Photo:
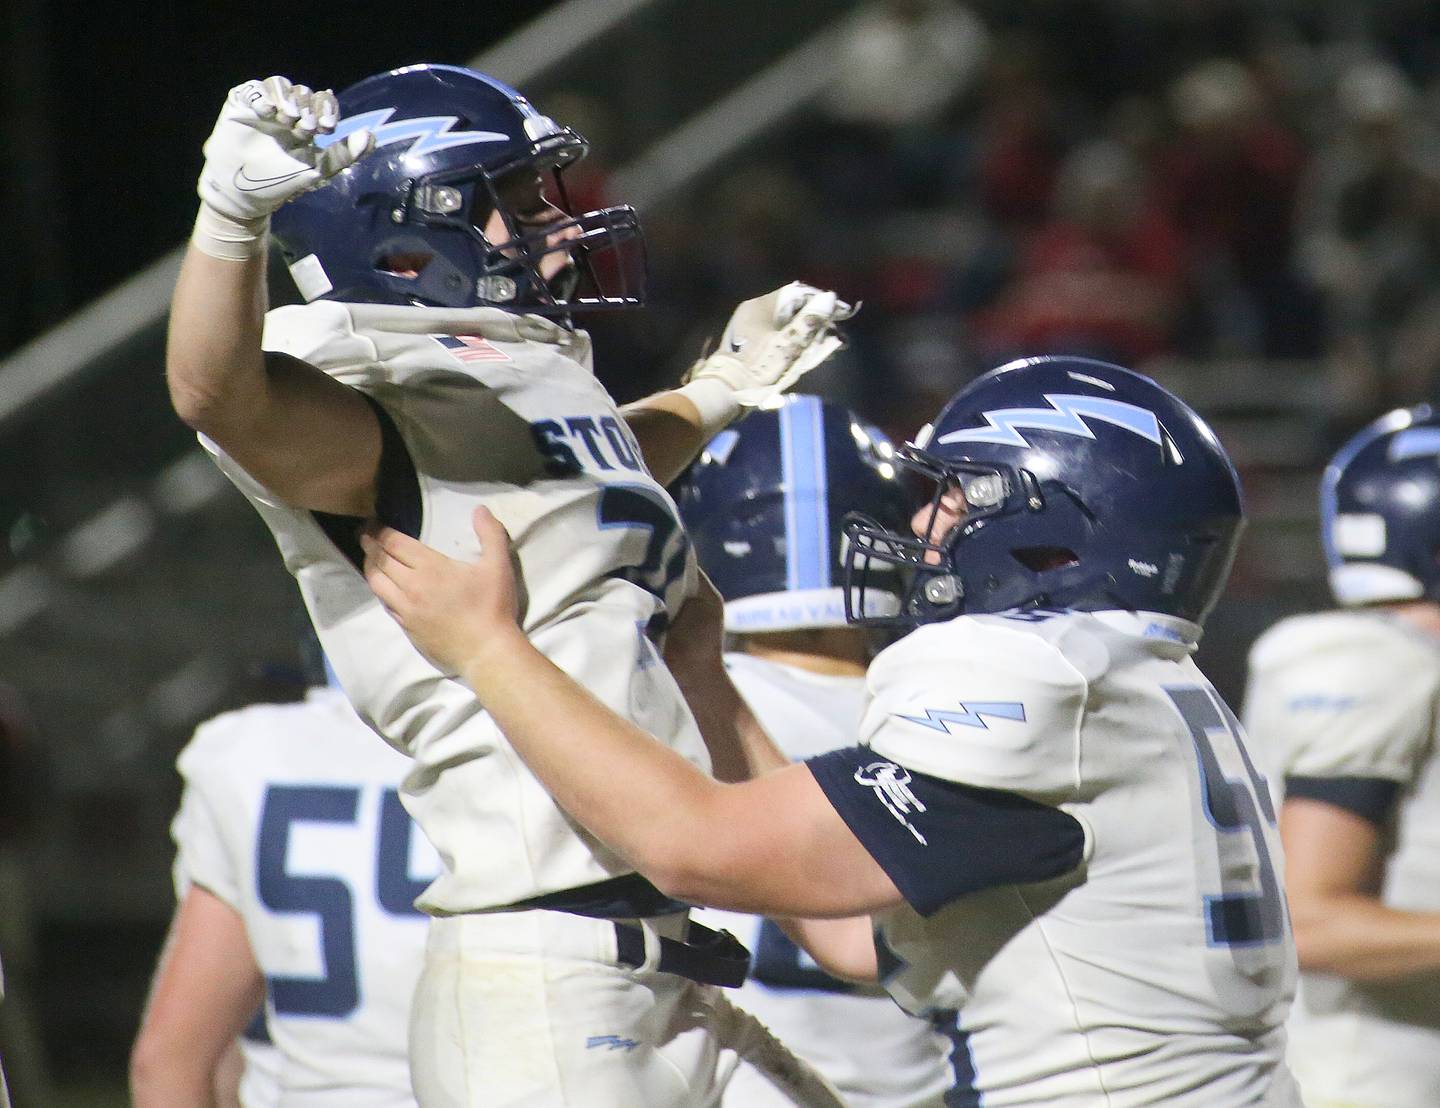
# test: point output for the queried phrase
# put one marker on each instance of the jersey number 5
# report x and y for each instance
(1239, 915)
(336, 991)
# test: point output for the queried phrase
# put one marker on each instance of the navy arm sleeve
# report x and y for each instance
(1370, 798)
(939, 840)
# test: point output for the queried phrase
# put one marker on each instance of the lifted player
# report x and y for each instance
(434, 369)
(1052, 815)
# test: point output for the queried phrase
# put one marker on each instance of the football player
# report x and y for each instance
(764, 504)
(1051, 814)
(1345, 705)
(436, 367)
(295, 873)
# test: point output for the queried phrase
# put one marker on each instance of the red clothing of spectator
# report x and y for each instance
(1233, 193)
(1081, 288)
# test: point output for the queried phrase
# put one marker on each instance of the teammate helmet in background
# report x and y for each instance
(1087, 486)
(1380, 510)
(403, 225)
(764, 503)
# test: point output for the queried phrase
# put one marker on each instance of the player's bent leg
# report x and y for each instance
(531, 1009)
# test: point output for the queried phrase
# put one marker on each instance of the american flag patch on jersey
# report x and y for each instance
(471, 348)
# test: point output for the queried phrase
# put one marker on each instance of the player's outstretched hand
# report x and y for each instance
(454, 612)
(269, 144)
(774, 340)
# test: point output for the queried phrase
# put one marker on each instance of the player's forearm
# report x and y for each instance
(670, 432)
(843, 948)
(166, 1085)
(1358, 937)
(641, 798)
(213, 360)
(739, 746)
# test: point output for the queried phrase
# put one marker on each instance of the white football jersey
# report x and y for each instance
(291, 815)
(875, 1054)
(1346, 695)
(501, 410)
(1157, 971)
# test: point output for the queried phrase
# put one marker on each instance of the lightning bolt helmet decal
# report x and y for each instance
(1065, 416)
(1058, 482)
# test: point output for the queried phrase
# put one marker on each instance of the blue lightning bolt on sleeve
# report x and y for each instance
(983, 702)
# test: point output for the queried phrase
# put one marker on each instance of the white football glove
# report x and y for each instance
(769, 344)
(262, 153)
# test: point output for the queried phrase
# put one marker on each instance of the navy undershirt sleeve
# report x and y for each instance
(1370, 798)
(940, 840)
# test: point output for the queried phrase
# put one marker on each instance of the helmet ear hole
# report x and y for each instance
(1037, 559)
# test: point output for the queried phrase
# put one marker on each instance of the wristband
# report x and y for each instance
(231, 240)
(714, 400)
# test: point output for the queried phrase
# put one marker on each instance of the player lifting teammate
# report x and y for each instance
(1068, 853)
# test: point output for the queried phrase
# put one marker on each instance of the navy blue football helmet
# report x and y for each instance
(1086, 486)
(764, 505)
(403, 225)
(1380, 510)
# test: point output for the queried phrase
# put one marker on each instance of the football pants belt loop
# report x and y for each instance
(707, 956)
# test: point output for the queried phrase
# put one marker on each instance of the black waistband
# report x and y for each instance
(628, 897)
(707, 956)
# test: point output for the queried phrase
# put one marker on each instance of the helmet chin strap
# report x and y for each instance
(562, 286)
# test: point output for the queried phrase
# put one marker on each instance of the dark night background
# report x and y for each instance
(105, 106)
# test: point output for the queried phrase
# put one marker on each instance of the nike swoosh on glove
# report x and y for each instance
(774, 340)
(262, 151)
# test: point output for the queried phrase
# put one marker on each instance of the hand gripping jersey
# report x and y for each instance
(1088, 857)
(1347, 705)
(291, 815)
(876, 1055)
(503, 410)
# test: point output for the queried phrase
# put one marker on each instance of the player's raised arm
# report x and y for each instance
(290, 426)
(773, 845)
(770, 342)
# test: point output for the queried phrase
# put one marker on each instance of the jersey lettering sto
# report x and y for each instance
(1158, 971)
(1353, 698)
(291, 815)
(505, 411)
(876, 1055)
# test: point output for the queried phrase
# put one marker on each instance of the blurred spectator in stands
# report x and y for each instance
(899, 69)
(1368, 239)
(1408, 296)
(899, 63)
(1018, 134)
(1229, 181)
(1102, 277)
